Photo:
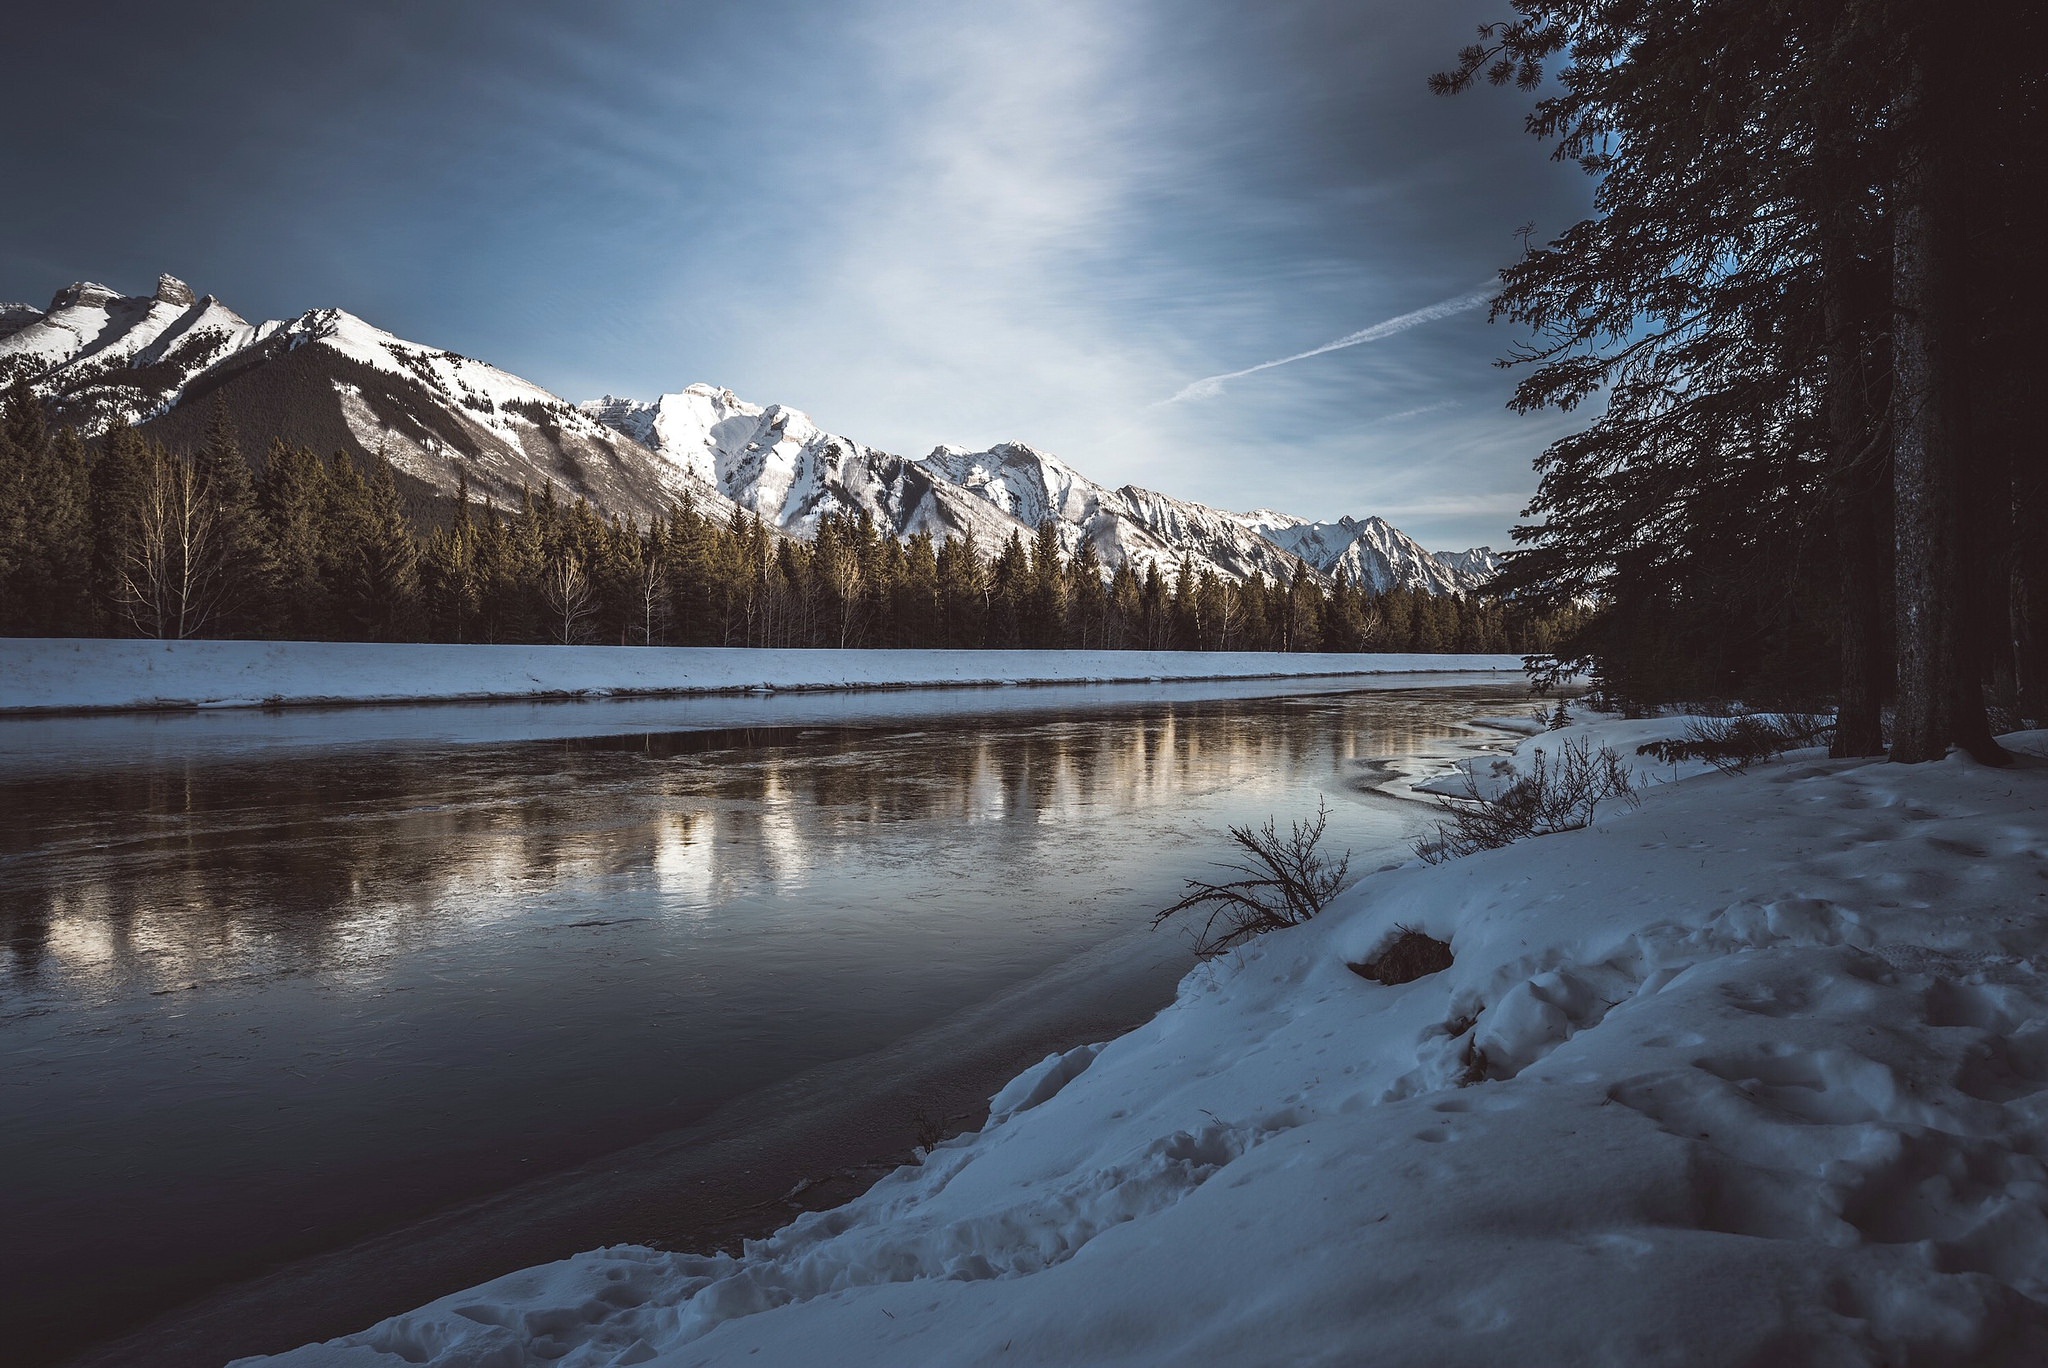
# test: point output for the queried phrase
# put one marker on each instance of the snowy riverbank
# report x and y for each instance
(1754, 1072)
(68, 674)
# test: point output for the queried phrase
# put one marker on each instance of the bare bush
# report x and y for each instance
(1556, 794)
(1286, 881)
(1733, 744)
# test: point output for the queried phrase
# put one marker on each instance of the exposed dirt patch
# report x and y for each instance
(1409, 956)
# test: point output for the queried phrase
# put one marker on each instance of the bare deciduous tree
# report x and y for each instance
(172, 576)
(651, 586)
(570, 599)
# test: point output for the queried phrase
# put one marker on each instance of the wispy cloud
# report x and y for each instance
(1438, 407)
(1209, 386)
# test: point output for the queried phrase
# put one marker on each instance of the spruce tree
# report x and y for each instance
(244, 544)
(293, 498)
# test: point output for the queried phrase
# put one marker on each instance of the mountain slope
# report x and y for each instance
(327, 380)
(1482, 563)
(776, 462)
(1371, 552)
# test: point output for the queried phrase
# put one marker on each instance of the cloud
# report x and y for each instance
(1209, 386)
(1438, 407)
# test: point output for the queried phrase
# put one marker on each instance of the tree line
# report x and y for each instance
(126, 537)
(1809, 303)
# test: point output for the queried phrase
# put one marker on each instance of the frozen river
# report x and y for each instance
(306, 1018)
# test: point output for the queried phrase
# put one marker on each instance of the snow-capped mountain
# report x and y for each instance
(1482, 563)
(776, 462)
(1375, 553)
(115, 358)
(327, 380)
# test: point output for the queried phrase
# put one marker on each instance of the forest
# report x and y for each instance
(123, 536)
(1807, 307)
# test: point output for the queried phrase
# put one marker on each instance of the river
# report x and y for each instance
(308, 1018)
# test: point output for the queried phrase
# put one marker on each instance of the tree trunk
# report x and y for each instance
(1860, 565)
(1859, 466)
(1924, 457)
(2030, 588)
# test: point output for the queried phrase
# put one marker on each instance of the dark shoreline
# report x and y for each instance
(810, 1142)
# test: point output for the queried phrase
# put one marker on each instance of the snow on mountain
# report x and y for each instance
(434, 414)
(15, 317)
(1371, 552)
(772, 461)
(777, 462)
(328, 380)
(111, 358)
(1128, 525)
(1480, 562)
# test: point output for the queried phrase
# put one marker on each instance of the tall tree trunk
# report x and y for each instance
(1924, 456)
(1861, 566)
(2030, 587)
(1859, 467)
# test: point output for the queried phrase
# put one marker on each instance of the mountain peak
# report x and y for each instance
(174, 292)
(83, 294)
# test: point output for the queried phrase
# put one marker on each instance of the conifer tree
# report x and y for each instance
(292, 496)
(117, 481)
(1088, 599)
(244, 547)
(46, 549)
(1008, 581)
(1775, 299)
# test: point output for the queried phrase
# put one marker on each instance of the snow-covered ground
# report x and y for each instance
(72, 674)
(1753, 1073)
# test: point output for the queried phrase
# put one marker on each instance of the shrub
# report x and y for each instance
(1733, 744)
(1557, 794)
(1286, 881)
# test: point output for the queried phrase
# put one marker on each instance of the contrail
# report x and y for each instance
(1211, 385)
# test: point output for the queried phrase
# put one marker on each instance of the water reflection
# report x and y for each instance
(146, 877)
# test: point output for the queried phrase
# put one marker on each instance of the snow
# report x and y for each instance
(92, 338)
(75, 674)
(777, 462)
(15, 317)
(75, 319)
(1372, 552)
(1756, 1072)
(1482, 563)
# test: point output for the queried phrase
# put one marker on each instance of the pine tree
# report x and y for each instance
(1154, 616)
(451, 591)
(1088, 599)
(46, 548)
(1009, 582)
(293, 498)
(1783, 190)
(244, 550)
(1042, 611)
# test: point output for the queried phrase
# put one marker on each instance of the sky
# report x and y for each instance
(1082, 224)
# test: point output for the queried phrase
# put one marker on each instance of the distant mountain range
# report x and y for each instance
(328, 380)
